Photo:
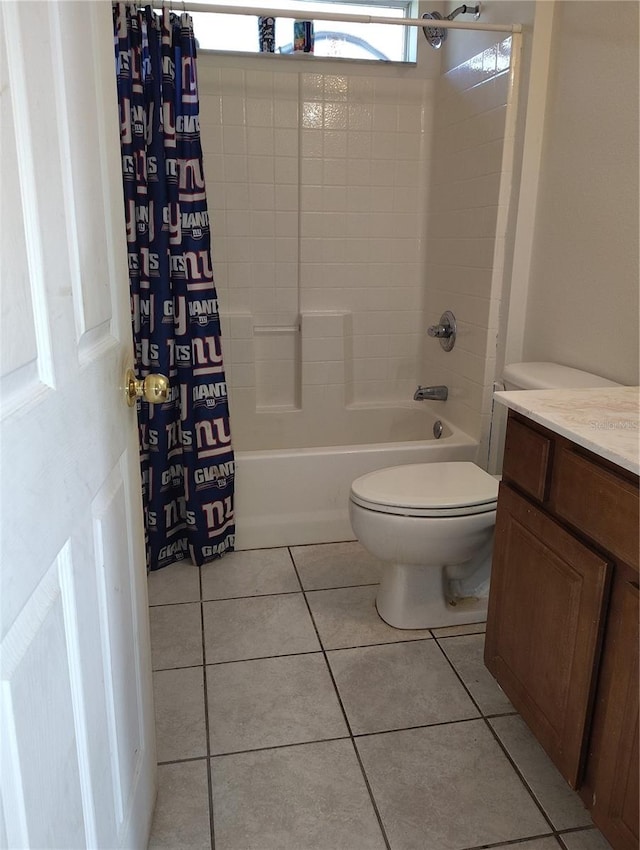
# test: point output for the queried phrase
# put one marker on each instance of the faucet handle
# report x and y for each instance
(445, 331)
(440, 331)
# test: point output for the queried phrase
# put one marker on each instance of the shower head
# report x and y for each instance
(436, 36)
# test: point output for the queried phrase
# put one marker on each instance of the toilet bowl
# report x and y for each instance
(432, 524)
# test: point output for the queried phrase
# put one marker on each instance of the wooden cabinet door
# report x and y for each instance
(544, 626)
(612, 771)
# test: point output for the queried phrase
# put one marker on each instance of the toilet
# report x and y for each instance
(432, 524)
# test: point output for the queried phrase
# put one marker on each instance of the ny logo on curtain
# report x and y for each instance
(185, 444)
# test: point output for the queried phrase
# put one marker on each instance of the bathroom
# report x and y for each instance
(280, 725)
(325, 343)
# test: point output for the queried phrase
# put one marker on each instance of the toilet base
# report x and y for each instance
(416, 597)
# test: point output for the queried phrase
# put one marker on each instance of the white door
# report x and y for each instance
(77, 751)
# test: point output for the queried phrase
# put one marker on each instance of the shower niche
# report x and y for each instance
(277, 367)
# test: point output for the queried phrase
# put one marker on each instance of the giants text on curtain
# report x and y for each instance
(185, 444)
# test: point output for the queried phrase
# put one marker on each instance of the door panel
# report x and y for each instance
(77, 752)
(39, 733)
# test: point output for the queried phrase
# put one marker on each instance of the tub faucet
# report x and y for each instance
(431, 394)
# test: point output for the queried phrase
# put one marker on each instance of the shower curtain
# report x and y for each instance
(185, 444)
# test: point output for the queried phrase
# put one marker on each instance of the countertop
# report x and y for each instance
(606, 421)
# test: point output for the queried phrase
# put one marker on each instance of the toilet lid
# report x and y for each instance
(427, 489)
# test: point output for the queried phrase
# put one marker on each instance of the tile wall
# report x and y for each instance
(317, 187)
(465, 226)
(348, 212)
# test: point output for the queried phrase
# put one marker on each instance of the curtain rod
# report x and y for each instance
(328, 16)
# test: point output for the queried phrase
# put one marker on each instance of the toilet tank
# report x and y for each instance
(550, 376)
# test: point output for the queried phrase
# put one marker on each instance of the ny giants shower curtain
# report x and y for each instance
(185, 444)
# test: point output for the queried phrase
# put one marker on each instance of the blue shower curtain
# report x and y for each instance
(185, 444)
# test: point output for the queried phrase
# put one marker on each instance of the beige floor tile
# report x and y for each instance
(181, 817)
(258, 627)
(590, 839)
(176, 635)
(251, 573)
(271, 702)
(549, 843)
(309, 797)
(466, 653)
(335, 565)
(348, 618)
(179, 705)
(563, 806)
(177, 583)
(398, 685)
(447, 787)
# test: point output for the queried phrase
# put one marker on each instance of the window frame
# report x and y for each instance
(405, 8)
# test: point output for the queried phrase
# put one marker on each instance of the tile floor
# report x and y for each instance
(291, 717)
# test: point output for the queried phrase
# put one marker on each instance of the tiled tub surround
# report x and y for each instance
(472, 152)
(328, 269)
(290, 717)
(316, 192)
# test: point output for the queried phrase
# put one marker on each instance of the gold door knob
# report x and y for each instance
(153, 388)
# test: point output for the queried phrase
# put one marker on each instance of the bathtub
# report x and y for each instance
(287, 497)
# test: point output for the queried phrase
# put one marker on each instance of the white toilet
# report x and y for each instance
(432, 524)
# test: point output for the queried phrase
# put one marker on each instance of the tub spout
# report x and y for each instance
(439, 393)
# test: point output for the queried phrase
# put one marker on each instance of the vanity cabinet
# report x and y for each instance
(562, 625)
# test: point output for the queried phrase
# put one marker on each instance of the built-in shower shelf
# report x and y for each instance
(265, 330)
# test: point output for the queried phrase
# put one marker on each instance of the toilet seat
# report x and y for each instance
(456, 488)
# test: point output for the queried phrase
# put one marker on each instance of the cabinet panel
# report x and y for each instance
(612, 770)
(610, 512)
(544, 626)
(527, 456)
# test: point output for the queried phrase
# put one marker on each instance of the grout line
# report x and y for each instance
(278, 747)
(206, 718)
(340, 587)
(497, 714)
(279, 593)
(512, 842)
(571, 829)
(174, 604)
(179, 667)
(418, 726)
(182, 761)
(499, 742)
(254, 596)
(384, 643)
(308, 652)
(520, 774)
(344, 714)
(462, 634)
(264, 657)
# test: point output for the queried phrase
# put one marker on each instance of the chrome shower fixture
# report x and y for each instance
(445, 331)
(437, 35)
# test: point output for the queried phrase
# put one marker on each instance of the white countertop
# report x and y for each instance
(605, 420)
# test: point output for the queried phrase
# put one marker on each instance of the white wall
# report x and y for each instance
(582, 307)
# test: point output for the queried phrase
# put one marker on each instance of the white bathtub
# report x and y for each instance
(287, 497)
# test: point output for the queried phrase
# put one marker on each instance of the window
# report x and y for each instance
(378, 42)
